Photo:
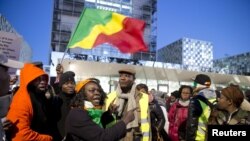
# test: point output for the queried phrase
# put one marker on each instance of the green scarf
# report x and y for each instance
(95, 115)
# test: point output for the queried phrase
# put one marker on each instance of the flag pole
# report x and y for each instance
(66, 50)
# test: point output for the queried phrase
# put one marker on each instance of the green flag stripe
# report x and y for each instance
(88, 19)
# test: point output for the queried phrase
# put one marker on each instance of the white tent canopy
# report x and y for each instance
(92, 69)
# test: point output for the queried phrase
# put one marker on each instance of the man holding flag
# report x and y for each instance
(96, 27)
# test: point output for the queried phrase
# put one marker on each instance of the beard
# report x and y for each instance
(126, 89)
(36, 90)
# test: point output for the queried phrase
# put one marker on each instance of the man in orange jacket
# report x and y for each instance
(30, 111)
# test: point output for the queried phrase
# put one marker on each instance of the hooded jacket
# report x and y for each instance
(21, 110)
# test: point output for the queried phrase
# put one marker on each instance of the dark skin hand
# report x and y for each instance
(59, 69)
(129, 116)
(7, 125)
(113, 107)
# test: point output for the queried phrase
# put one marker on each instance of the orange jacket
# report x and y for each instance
(21, 111)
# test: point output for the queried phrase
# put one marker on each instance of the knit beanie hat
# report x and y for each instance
(67, 76)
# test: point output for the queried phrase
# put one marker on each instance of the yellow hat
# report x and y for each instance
(80, 84)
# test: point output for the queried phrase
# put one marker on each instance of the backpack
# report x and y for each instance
(214, 111)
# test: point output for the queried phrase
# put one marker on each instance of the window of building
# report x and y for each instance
(90, 5)
(126, 1)
(146, 8)
(125, 11)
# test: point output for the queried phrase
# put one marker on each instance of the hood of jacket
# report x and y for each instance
(28, 73)
(207, 93)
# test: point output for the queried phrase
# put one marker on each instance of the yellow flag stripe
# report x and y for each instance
(113, 26)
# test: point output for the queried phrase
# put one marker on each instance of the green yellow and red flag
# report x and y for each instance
(97, 26)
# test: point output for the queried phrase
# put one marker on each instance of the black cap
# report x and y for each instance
(203, 79)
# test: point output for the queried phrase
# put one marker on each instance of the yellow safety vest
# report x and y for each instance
(145, 128)
(203, 120)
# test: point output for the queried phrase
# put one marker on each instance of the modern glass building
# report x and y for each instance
(237, 64)
(190, 53)
(66, 14)
(5, 25)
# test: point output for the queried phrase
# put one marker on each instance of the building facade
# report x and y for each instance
(158, 75)
(67, 12)
(190, 53)
(237, 64)
(21, 50)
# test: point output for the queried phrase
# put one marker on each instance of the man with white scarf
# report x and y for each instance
(125, 97)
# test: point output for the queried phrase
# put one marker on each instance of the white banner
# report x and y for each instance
(10, 45)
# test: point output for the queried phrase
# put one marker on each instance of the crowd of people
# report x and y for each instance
(66, 110)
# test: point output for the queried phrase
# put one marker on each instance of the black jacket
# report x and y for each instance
(194, 112)
(61, 108)
(156, 115)
(157, 120)
(80, 127)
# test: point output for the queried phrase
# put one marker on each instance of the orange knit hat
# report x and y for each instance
(80, 84)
